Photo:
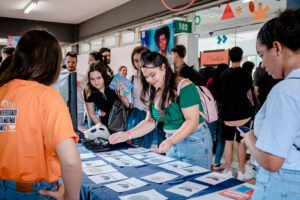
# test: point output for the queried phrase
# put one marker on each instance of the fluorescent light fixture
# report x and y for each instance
(30, 6)
(247, 1)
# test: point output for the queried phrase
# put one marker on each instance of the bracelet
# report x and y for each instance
(129, 135)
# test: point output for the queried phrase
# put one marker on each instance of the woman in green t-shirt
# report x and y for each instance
(188, 137)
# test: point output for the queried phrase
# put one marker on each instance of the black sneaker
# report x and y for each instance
(217, 167)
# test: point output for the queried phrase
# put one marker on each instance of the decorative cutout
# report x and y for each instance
(239, 10)
(260, 13)
(197, 20)
(228, 13)
(177, 9)
(251, 6)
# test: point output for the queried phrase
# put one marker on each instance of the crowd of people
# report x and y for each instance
(164, 109)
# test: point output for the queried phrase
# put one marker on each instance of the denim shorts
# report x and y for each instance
(195, 149)
(8, 190)
(281, 185)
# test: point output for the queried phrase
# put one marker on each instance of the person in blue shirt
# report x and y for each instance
(274, 143)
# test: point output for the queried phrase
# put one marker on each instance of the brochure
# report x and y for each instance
(159, 160)
(84, 156)
(99, 170)
(122, 83)
(213, 178)
(126, 185)
(190, 170)
(187, 188)
(173, 166)
(93, 163)
(240, 192)
(105, 178)
(160, 177)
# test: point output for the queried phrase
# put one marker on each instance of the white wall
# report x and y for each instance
(122, 56)
(119, 56)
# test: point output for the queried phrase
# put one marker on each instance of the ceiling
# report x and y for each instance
(61, 11)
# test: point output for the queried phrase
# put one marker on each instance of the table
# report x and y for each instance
(90, 190)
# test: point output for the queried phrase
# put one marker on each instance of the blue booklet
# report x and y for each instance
(122, 83)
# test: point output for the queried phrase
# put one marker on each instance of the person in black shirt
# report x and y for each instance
(263, 84)
(97, 92)
(236, 108)
(180, 67)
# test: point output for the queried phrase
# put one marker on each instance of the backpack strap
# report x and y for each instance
(180, 84)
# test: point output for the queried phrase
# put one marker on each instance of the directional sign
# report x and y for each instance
(222, 38)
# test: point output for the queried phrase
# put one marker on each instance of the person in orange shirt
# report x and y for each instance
(37, 140)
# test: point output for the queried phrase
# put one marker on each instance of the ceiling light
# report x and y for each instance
(247, 1)
(30, 6)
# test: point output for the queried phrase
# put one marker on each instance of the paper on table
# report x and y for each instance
(145, 195)
(93, 163)
(160, 177)
(99, 170)
(145, 155)
(174, 165)
(190, 170)
(136, 150)
(129, 163)
(213, 178)
(105, 178)
(118, 158)
(126, 185)
(187, 188)
(159, 160)
(87, 156)
(110, 153)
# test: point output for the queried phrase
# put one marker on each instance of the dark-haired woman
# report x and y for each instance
(188, 137)
(275, 141)
(97, 92)
(37, 140)
(138, 109)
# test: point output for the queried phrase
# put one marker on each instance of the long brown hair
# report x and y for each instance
(168, 94)
(37, 58)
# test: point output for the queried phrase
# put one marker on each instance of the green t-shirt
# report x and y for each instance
(173, 116)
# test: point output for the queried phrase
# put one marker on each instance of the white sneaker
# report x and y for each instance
(228, 173)
(243, 176)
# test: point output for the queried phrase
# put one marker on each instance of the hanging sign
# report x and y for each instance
(182, 26)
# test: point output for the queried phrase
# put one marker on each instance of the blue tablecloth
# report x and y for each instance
(90, 190)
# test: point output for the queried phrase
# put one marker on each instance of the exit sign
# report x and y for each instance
(182, 26)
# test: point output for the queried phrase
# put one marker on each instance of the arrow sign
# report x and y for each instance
(222, 39)
(219, 39)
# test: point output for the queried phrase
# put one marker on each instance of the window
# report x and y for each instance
(84, 47)
(109, 41)
(127, 37)
(96, 44)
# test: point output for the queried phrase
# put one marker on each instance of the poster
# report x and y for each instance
(159, 39)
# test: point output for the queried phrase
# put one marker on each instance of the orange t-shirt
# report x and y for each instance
(34, 119)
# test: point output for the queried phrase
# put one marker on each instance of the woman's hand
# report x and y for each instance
(118, 137)
(58, 195)
(164, 147)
